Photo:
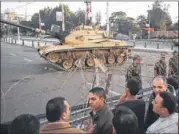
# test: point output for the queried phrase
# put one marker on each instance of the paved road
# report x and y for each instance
(32, 82)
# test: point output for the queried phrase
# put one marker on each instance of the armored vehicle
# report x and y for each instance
(81, 46)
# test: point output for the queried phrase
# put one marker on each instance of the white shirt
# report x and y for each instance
(164, 125)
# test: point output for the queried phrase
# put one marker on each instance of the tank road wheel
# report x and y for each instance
(102, 60)
(120, 59)
(67, 64)
(90, 62)
(53, 57)
(111, 59)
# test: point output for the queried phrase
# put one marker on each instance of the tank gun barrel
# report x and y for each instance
(36, 30)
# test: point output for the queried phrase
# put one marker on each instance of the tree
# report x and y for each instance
(35, 20)
(48, 16)
(118, 15)
(122, 23)
(159, 17)
(141, 20)
(174, 27)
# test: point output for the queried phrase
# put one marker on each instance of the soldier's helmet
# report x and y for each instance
(136, 57)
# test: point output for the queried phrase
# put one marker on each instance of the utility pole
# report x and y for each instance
(107, 16)
(18, 31)
(88, 18)
(63, 19)
(26, 14)
(149, 25)
(39, 23)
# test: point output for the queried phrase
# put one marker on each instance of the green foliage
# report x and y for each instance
(124, 23)
(159, 17)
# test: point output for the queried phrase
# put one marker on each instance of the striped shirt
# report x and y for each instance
(164, 125)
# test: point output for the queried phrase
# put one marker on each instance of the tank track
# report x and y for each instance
(61, 68)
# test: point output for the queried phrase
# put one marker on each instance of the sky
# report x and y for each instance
(133, 9)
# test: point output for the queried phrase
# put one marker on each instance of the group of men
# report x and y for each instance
(160, 68)
(128, 117)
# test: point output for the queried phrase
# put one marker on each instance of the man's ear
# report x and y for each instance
(164, 110)
(63, 117)
(127, 90)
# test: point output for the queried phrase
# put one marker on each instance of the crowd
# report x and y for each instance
(130, 116)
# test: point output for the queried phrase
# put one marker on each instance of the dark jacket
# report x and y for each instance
(102, 121)
(151, 117)
(138, 107)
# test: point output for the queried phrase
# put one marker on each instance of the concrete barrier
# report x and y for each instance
(35, 44)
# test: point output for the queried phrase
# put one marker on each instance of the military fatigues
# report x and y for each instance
(173, 66)
(173, 63)
(134, 71)
(160, 68)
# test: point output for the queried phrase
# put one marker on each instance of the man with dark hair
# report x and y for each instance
(25, 124)
(173, 82)
(125, 121)
(129, 100)
(132, 88)
(100, 114)
(164, 105)
(58, 113)
(159, 84)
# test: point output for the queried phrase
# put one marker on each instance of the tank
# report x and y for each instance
(81, 46)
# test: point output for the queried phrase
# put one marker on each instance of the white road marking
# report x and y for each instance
(12, 54)
(28, 60)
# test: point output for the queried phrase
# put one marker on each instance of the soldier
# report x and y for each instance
(134, 70)
(160, 66)
(173, 65)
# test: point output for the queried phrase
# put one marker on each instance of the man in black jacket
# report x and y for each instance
(101, 115)
(129, 100)
(159, 84)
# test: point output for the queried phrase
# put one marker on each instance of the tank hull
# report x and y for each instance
(65, 57)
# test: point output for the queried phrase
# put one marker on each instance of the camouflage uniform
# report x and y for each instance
(160, 66)
(173, 63)
(134, 71)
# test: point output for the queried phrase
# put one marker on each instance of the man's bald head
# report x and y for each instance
(159, 84)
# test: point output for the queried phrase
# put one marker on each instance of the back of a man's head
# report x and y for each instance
(169, 101)
(173, 82)
(98, 91)
(25, 124)
(133, 86)
(55, 108)
(125, 121)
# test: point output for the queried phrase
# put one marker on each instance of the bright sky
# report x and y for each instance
(133, 9)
